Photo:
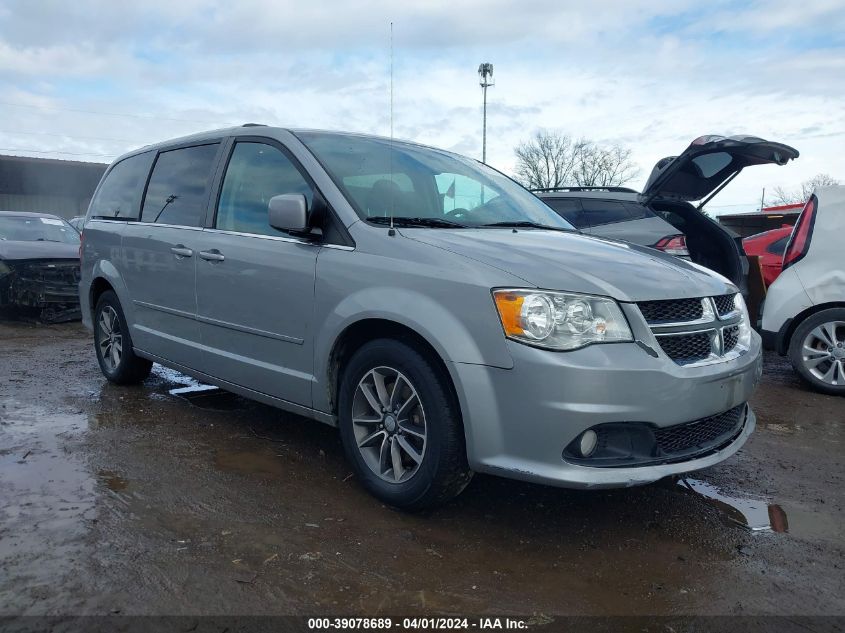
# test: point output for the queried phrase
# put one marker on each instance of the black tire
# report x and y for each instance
(443, 471)
(130, 369)
(796, 355)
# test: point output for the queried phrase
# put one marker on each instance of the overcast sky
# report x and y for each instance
(93, 79)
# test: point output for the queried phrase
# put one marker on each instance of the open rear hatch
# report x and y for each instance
(698, 174)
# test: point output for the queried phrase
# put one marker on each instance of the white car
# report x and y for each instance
(804, 313)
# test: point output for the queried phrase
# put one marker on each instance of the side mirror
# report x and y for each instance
(288, 212)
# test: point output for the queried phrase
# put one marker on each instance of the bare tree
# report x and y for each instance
(605, 166)
(552, 159)
(549, 159)
(792, 196)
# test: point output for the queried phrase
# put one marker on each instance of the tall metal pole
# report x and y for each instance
(485, 80)
(484, 128)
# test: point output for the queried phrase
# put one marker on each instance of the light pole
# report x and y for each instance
(485, 79)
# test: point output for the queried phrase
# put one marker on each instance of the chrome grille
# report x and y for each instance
(694, 331)
(687, 348)
(671, 311)
(700, 434)
(725, 304)
(731, 337)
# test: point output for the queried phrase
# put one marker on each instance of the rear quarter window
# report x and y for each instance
(119, 195)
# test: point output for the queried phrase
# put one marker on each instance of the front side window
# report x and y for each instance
(256, 172)
(178, 188)
(119, 196)
(437, 187)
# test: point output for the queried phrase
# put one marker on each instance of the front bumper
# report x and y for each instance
(519, 421)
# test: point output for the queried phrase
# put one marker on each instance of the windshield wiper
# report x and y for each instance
(434, 223)
(524, 224)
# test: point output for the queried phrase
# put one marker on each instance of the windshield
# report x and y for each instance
(19, 228)
(423, 186)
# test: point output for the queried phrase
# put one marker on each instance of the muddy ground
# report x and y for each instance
(164, 500)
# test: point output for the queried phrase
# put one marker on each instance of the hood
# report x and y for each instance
(11, 250)
(556, 260)
(708, 164)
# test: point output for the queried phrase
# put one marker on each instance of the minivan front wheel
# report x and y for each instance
(388, 420)
(817, 351)
(113, 343)
(400, 426)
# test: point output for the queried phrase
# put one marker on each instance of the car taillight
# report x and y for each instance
(81, 242)
(674, 245)
(802, 234)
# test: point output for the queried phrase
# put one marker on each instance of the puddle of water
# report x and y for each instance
(171, 377)
(261, 463)
(192, 389)
(197, 393)
(48, 498)
(212, 398)
(757, 515)
(113, 481)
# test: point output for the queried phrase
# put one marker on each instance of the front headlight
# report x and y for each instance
(560, 320)
(745, 324)
(4, 268)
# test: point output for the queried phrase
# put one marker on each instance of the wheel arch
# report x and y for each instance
(357, 334)
(105, 276)
(798, 319)
(99, 285)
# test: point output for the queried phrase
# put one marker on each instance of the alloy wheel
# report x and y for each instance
(389, 424)
(823, 353)
(110, 338)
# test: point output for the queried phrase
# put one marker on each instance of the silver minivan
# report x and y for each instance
(440, 315)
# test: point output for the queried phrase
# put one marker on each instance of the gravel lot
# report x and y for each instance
(164, 500)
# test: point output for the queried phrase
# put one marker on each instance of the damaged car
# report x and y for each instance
(39, 266)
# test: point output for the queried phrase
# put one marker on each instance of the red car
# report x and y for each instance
(769, 247)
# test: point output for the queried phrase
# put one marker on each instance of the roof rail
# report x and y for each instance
(613, 189)
(254, 125)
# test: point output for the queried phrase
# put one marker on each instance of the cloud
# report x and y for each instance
(648, 76)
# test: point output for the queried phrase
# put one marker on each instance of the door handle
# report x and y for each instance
(212, 256)
(180, 250)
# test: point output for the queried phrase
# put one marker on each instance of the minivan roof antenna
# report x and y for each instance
(390, 147)
(391, 81)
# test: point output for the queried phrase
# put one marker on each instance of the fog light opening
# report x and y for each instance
(588, 443)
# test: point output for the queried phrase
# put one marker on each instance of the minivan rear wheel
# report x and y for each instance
(401, 427)
(817, 351)
(113, 344)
